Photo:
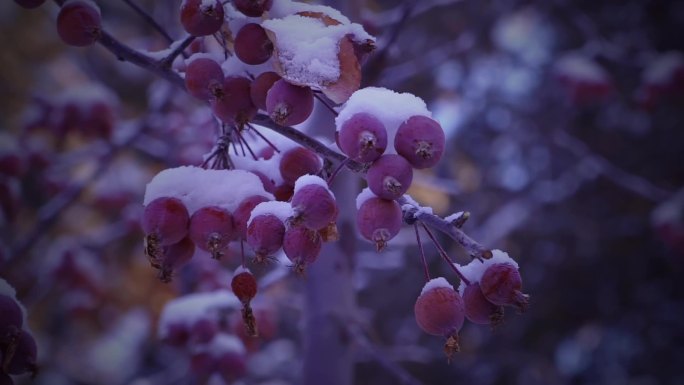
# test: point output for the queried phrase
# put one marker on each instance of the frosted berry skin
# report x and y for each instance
(501, 284)
(244, 286)
(297, 162)
(175, 256)
(234, 106)
(260, 87)
(314, 206)
(301, 246)
(204, 79)
(166, 219)
(440, 312)
(242, 213)
(79, 23)
(29, 4)
(390, 176)
(25, 355)
(12, 318)
(252, 45)
(265, 235)
(211, 229)
(379, 220)
(362, 137)
(288, 104)
(253, 8)
(199, 19)
(478, 309)
(421, 141)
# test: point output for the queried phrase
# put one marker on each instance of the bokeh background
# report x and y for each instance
(565, 143)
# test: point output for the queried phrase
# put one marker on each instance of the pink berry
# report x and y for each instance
(421, 141)
(288, 104)
(253, 8)
(390, 176)
(79, 23)
(203, 330)
(201, 17)
(211, 228)
(177, 334)
(166, 219)
(297, 162)
(204, 79)
(234, 106)
(478, 309)
(244, 286)
(362, 137)
(379, 220)
(265, 235)
(314, 206)
(301, 246)
(175, 256)
(252, 45)
(501, 284)
(260, 87)
(243, 212)
(440, 311)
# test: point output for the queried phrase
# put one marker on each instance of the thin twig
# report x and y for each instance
(180, 49)
(325, 103)
(148, 18)
(444, 255)
(422, 252)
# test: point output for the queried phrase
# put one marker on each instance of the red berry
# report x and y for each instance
(421, 141)
(379, 220)
(242, 213)
(439, 311)
(166, 219)
(265, 235)
(314, 206)
(201, 17)
(234, 106)
(478, 309)
(252, 45)
(260, 87)
(79, 23)
(362, 137)
(204, 79)
(211, 228)
(301, 246)
(390, 176)
(12, 317)
(288, 104)
(501, 284)
(297, 162)
(175, 256)
(244, 286)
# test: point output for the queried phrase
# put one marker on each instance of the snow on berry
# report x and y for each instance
(191, 308)
(363, 196)
(281, 210)
(474, 270)
(435, 283)
(390, 107)
(309, 179)
(197, 187)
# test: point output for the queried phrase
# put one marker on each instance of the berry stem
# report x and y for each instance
(179, 50)
(337, 170)
(325, 103)
(444, 255)
(422, 253)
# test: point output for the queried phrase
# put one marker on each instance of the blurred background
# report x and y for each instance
(565, 144)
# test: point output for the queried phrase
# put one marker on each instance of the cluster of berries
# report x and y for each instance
(486, 287)
(206, 326)
(178, 217)
(18, 352)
